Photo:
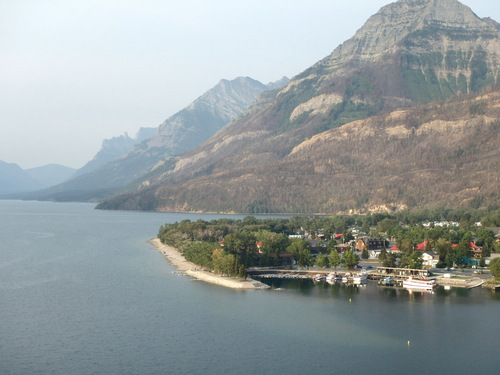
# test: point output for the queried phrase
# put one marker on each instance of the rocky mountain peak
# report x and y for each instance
(207, 114)
(392, 23)
(410, 54)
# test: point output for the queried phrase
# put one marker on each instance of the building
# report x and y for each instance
(430, 259)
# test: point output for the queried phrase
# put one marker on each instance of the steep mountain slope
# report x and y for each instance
(441, 154)
(113, 148)
(410, 52)
(181, 132)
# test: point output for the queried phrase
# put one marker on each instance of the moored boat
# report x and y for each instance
(346, 277)
(388, 281)
(318, 277)
(332, 277)
(360, 278)
(412, 283)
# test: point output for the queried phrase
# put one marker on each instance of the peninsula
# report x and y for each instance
(178, 261)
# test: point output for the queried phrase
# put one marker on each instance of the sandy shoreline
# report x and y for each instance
(193, 270)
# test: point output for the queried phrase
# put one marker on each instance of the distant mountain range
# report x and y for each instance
(14, 179)
(122, 160)
(389, 120)
(113, 148)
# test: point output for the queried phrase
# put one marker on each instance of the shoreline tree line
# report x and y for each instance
(230, 246)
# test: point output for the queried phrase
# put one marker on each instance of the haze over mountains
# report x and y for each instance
(403, 115)
(114, 148)
(410, 53)
(14, 179)
(122, 160)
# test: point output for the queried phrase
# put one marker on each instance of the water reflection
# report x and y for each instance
(338, 290)
(320, 288)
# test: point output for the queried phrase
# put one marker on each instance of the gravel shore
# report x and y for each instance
(193, 270)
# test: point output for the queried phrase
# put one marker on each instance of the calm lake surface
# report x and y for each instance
(82, 292)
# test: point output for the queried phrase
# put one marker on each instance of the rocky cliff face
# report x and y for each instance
(410, 52)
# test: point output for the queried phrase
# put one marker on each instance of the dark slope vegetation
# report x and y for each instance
(410, 53)
(441, 154)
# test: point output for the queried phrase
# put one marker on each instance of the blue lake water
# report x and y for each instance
(82, 292)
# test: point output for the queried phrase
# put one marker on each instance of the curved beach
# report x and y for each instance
(193, 270)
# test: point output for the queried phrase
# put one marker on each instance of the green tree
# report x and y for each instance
(443, 247)
(296, 246)
(335, 259)
(496, 247)
(416, 260)
(386, 224)
(305, 259)
(495, 267)
(199, 253)
(271, 245)
(350, 259)
(330, 246)
(242, 245)
(453, 257)
(383, 255)
(412, 259)
(322, 261)
(364, 254)
(389, 260)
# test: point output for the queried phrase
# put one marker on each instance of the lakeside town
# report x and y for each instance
(346, 250)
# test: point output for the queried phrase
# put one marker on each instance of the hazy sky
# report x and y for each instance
(74, 72)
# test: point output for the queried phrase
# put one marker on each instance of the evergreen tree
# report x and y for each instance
(383, 254)
(305, 259)
(349, 259)
(495, 267)
(335, 259)
(389, 260)
(322, 261)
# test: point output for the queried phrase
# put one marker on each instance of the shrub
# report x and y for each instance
(495, 267)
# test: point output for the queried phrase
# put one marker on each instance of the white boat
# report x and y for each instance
(331, 277)
(360, 278)
(318, 277)
(412, 283)
(347, 276)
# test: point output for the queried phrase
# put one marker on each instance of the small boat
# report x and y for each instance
(419, 284)
(331, 277)
(346, 277)
(360, 278)
(388, 281)
(318, 277)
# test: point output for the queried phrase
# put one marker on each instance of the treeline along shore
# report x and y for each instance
(221, 251)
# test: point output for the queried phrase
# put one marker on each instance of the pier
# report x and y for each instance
(384, 276)
(397, 273)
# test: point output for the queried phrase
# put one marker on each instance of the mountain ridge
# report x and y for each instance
(423, 55)
(113, 148)
(179, 133)
(322, 175)
(14, 179)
